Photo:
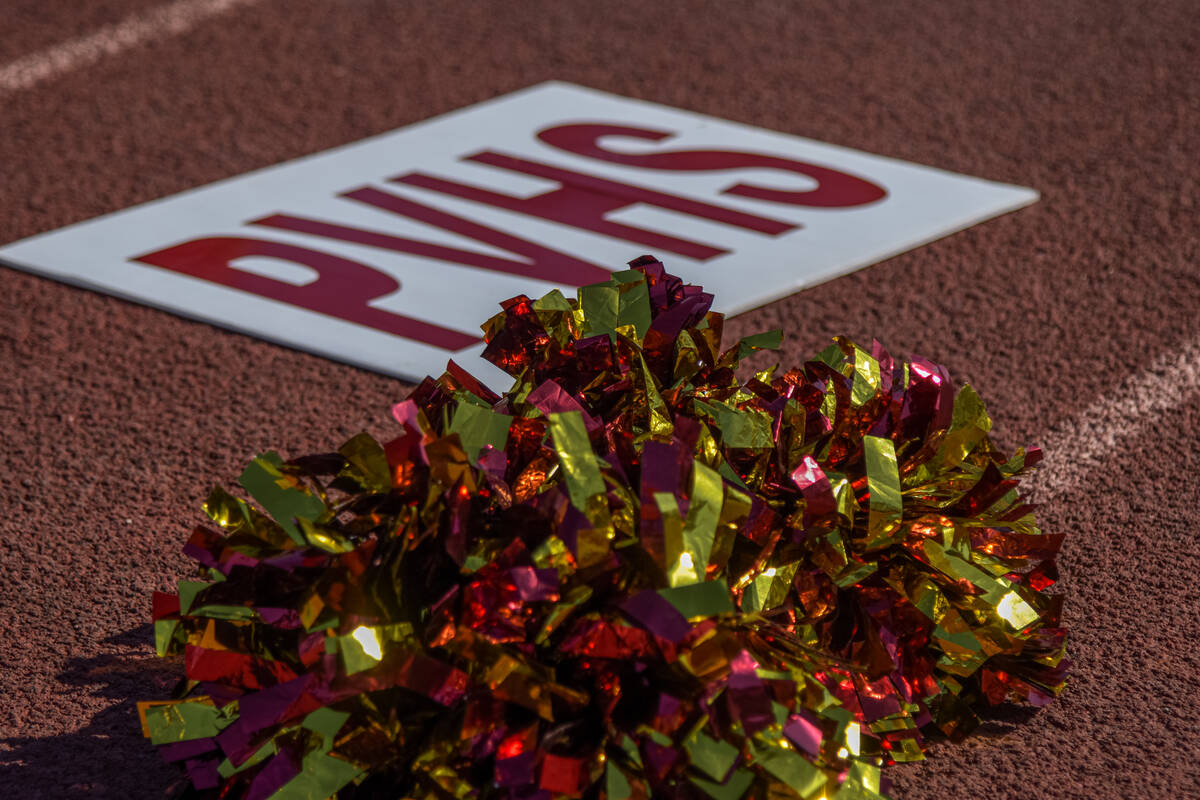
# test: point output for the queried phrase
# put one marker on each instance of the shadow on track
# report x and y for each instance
(107, 757)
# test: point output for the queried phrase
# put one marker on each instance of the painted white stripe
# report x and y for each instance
(168, 20)
(1123, 414)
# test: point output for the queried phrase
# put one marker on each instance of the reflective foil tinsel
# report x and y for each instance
(633, 575)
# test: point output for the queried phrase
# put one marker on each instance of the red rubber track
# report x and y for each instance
(116, 419)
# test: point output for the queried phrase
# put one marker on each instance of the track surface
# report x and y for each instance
(1076, 319)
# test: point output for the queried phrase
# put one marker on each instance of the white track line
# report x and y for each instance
(168, 20)
(1096, 436)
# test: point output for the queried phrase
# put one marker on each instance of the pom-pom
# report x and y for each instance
(633, 575)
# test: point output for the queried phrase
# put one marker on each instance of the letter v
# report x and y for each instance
(543, 263)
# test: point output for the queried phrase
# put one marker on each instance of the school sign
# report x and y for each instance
(388, 253)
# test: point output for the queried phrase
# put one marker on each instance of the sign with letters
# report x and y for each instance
(388, 253)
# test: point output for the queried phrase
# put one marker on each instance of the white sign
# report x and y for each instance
(389, 253)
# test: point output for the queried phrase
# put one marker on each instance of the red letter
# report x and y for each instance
(584, 200)
(835, 189)
(544, 264)
(342, 289)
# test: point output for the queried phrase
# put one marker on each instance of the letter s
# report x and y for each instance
(834, 190)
